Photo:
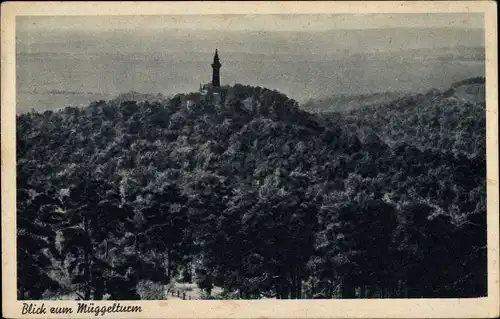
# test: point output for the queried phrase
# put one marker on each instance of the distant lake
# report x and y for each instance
(53, 80)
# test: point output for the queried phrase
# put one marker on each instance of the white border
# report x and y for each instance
(388, 308)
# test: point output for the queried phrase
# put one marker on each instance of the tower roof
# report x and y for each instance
(216, 58)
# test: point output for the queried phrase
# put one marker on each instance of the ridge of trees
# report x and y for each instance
(252, 195)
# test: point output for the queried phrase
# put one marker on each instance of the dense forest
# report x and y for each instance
(253, 197)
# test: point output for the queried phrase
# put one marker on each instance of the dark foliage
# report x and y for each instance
(255, 196)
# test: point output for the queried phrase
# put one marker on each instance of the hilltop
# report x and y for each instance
(253, 196)
(453, 120)
(78, 66)
(470, 90)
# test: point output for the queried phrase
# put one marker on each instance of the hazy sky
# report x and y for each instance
(256, 22)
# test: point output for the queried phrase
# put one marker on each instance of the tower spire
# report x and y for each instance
(216, 70)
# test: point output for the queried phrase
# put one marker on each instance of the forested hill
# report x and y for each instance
(253, 196)
(453, 120)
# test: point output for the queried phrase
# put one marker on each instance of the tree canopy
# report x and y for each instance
(253, 195)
